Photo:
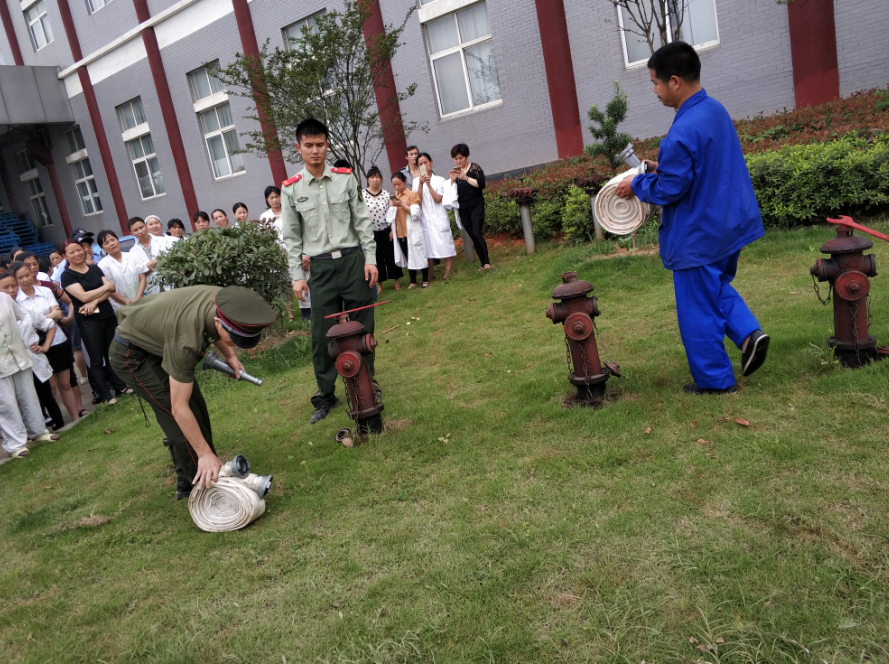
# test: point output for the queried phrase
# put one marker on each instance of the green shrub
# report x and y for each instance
(546, 218)
(244, 255)
(802, 184)
(605, 125)
(502, 216)
(577, 218)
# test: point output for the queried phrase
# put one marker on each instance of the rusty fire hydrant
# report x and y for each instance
(577, 311)
(348, 344)
(847, 270)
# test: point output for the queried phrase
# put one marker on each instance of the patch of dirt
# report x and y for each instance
(92, 521)
(611, 396)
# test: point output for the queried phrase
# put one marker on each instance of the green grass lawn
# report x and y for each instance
(489, 523)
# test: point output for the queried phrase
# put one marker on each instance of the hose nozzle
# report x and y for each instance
(238, 467)
(628, 156)
(261, 484)
(213, 361)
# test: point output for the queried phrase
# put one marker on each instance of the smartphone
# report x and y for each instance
(422, 169)
(392, 197)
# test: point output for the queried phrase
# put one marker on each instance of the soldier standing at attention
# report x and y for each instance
(157, 345)
(324, 217)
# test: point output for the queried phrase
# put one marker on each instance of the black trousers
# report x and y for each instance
(48, 401)
(402, 242)
(473, 219)
(143, 372)
(97, 336)
(386, 257)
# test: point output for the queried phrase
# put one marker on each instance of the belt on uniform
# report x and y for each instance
(334, 255)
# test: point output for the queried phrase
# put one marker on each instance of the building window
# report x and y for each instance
(222, 140)
(148, 172)
(699, 28)
(294, 32)
(463, 63)
(38, 25)
(24, 162)
(203, 83)
(86, 187)
(131, 114)
(75, 140)
(95, 5)
(38, 203)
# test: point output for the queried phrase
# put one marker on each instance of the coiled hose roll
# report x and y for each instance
(229, 504)
(620, 216)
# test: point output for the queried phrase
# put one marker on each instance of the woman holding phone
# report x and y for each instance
(377, 200)
(470, 179)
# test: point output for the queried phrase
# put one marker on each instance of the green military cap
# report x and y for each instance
(244, 314)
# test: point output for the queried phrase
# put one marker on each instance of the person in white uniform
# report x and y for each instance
(436, 194)
(20, 416)
(126, 270)
(147, 249)
(273, 216)
(156, 229)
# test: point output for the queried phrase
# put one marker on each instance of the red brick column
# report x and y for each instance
(813, 51)
(10, 34)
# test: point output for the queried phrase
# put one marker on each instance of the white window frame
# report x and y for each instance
(22, 159)
(42, 20)
(206, 72)
(71, 137)
(461, 47)
(92, 191)
(221, 134)
(145, 158)
(129, 105)
(636, 64)
(297, 28)
(39, 197)
(95, 5)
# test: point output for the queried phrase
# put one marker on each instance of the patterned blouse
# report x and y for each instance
(378, 206)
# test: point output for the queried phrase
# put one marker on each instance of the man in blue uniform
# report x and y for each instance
(710, 214)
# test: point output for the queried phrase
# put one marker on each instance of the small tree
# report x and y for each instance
(656, 21)
(612, 142)
(244, 255)
(328, 73)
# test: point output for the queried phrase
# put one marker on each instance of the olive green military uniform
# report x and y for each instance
(326, 219)
(166, 335)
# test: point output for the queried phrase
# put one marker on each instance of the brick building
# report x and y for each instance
(107, 113)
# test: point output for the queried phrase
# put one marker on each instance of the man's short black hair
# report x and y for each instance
(342, 163)
(676, 59)
(411, 147)
(132, 222)
(104, 235)
(311, 127)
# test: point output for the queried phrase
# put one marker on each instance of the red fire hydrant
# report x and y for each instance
(577, 311)
(348, 344)
(847, 270)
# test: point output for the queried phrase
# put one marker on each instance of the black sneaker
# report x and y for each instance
(691, 388)
(755, 355)
(322, 410)
(183, 488)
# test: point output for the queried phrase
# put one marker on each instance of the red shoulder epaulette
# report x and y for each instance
(294, 179)
(344, 171)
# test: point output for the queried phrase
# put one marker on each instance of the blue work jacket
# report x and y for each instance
(710, 210)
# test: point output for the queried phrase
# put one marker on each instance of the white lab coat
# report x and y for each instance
(416, 244)
(436, 225)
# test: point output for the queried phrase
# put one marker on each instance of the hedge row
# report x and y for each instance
(795, 185)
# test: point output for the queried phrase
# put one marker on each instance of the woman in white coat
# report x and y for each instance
(436, 195)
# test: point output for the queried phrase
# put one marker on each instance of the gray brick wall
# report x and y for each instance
(749, 71)
(54, 53)
(96, 29)
(862, 44)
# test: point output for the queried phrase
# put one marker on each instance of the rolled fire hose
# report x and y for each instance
(620, 216)
(232, 503)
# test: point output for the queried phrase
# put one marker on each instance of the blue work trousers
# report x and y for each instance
(709, 309)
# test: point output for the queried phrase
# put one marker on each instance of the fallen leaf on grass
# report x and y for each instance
(701, 441)
(487, 355)
(724, 419)
(704, 647)
(109, 430)
(743, 423)
(712, 456)
(692, 640)
(719, 640)
(92, 449)
(647, 430)
(695, 423)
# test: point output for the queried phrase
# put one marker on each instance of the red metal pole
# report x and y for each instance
(89, 96)
(251, 49)
(60, 198)
(560, 76)
(386, 93)
(813, 52)
(171, 122)
(10, 34)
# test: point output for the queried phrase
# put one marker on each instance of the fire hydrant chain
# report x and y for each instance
(602, 343)
(818, 291)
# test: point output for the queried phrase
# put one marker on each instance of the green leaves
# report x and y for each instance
(611, 142)
(244, 255)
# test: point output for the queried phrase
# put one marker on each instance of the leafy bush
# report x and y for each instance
(244, 255)
(502, 216)
(546, 217)
(577, 218)
(612, 141)
(800, 184)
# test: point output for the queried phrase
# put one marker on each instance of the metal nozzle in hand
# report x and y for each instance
(212, 361)
(628, 156)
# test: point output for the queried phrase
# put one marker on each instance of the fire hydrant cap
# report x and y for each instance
(848, 244)
(572, 289)
(348, 329)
